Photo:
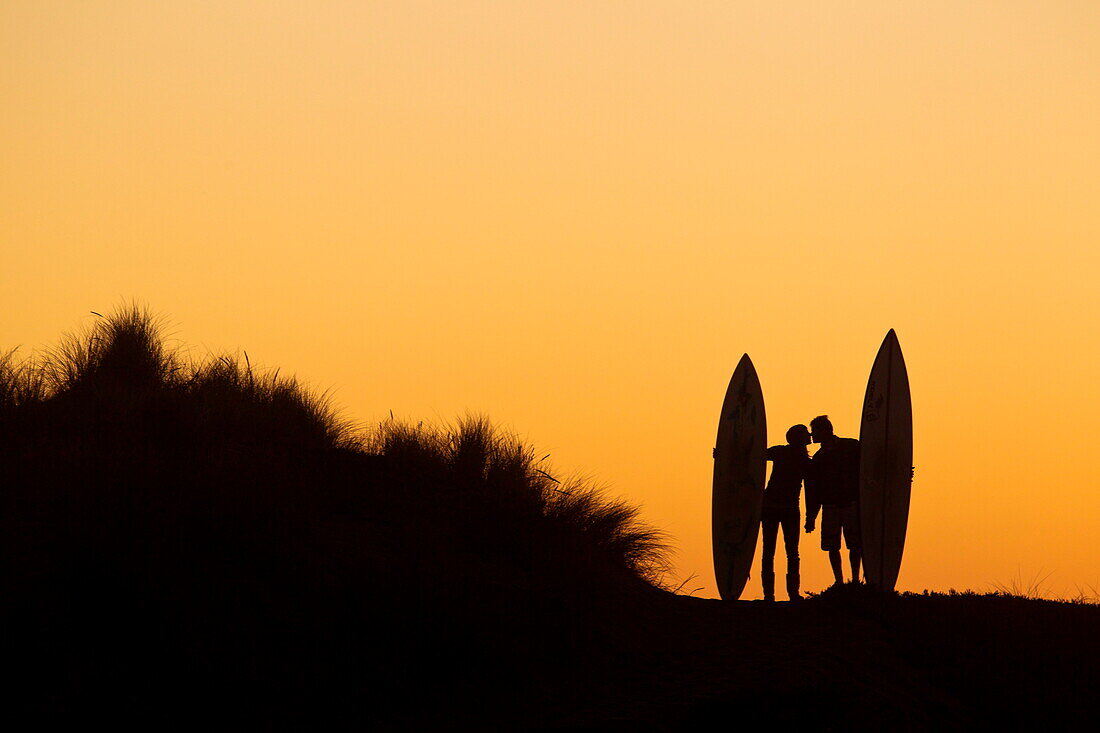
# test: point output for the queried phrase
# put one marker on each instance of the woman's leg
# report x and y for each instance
(791, 522)
(770, 527)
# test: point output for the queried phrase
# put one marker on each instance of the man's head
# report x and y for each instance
(821, 430)
(798, 435)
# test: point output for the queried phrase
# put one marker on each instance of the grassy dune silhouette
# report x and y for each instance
(195, 542)
(182, 537)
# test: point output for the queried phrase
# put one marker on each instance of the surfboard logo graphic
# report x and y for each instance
(873, 403)
(744, 403)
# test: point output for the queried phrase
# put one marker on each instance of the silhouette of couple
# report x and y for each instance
(832, 487)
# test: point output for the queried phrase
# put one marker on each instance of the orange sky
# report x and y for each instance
(574, 217)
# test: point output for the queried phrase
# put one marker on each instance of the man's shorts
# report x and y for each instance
(836, 518)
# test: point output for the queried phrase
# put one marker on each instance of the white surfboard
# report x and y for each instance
(885, 467)
(740, 463)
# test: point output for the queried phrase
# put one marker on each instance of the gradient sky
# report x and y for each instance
(575, 217)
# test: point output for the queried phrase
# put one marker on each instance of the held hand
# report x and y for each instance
(809, 526)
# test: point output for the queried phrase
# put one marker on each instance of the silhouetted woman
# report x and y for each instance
(790, 463)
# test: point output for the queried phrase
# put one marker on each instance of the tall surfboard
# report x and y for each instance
(885, 467)
(740, 462)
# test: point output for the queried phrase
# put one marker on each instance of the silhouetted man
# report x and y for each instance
(832, 485)
(789, 465)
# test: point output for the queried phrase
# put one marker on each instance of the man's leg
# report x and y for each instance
(830, 539)
(853, 539)
(770, 527)
(834, 562)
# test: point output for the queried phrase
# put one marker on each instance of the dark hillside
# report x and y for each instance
(200, 544)
(180, 538)
(852, 659)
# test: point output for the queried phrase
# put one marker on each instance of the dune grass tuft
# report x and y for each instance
(123, 351)
(237, 398)
(1034, 588)
(21, 383)
(121, 363)
(473, 457)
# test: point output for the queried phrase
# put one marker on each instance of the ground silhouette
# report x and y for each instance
(197, 543)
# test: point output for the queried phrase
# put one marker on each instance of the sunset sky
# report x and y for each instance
(574, 217)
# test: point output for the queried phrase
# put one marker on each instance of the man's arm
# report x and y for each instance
(813, 502)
